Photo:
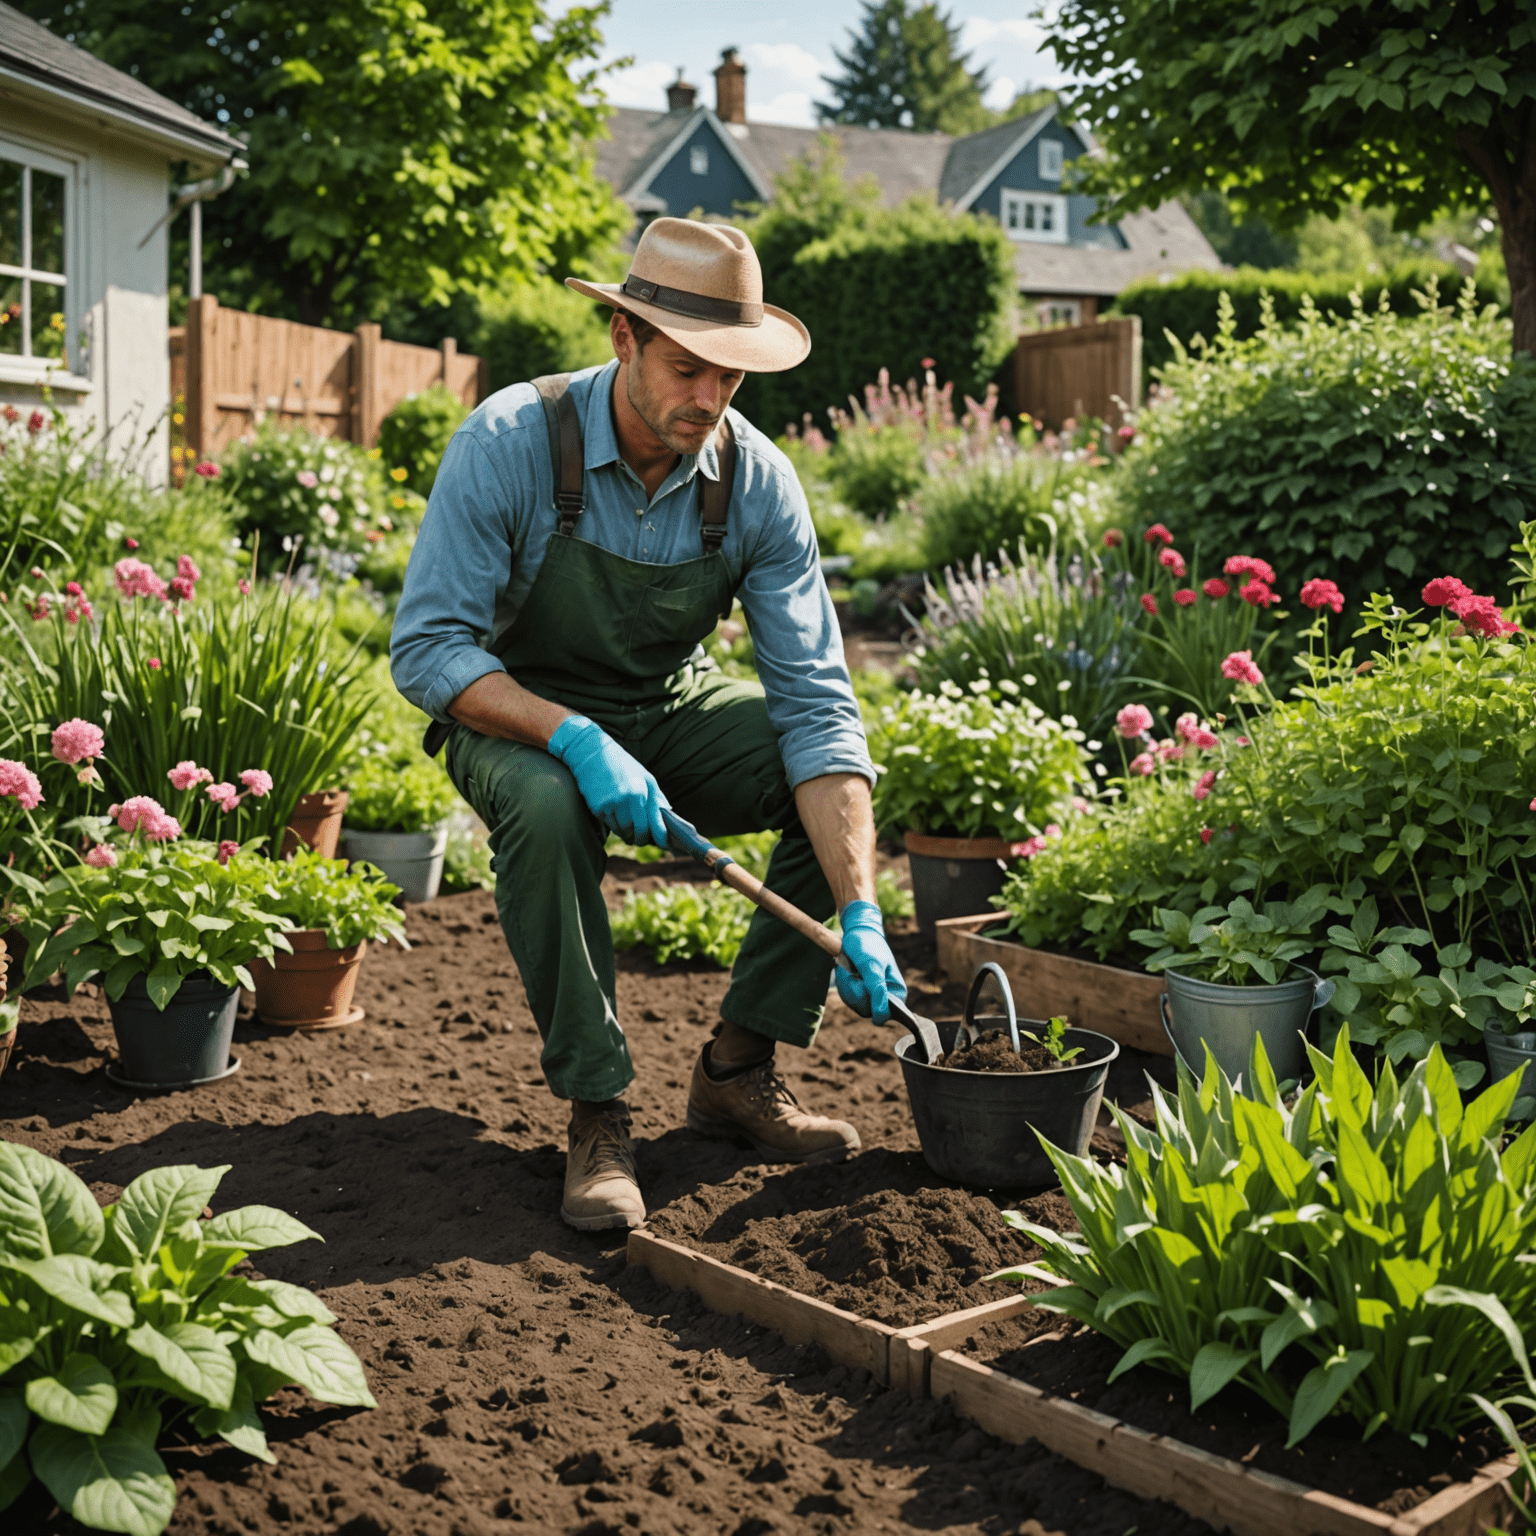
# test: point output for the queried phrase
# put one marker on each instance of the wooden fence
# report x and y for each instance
(1078, 370)
(234, 369)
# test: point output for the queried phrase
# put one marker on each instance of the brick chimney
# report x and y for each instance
(731, 88)
(680, 95)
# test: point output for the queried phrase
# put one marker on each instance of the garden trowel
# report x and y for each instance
(730, 873)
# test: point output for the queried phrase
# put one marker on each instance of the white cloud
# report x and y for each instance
(792, 107)
(976, 31)
(1000, 94)
(787, 61)
(641, 85)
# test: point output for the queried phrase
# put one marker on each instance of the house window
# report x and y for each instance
(1054, 312)
(1036, 216)
(33, 193)
(698, 160)
(1050, 160)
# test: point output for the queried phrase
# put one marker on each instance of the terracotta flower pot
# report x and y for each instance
(311, 988)
(316, 822)
(954, 876)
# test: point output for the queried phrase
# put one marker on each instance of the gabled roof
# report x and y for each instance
(645, 147)
(39, 65)
(979, 157)
(1158, 240)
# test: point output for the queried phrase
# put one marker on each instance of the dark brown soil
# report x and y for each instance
(1388, 1472)
(526, 1379)
(994, 1052)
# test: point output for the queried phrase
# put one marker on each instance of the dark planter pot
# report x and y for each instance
(186, 1045)
(954, 876)
(311, 988)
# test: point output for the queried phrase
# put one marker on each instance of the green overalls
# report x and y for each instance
(611, 638)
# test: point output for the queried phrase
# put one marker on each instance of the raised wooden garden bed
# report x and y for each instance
(1120, 1004)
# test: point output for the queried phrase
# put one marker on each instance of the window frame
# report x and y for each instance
(32, 158)
(698, 159)
(1052, 159)
(1017, 198)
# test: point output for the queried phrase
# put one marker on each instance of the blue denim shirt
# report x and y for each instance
(490, 517)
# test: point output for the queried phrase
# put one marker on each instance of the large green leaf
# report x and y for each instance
(239, 1424)
(81, 1395)
(195, 1358)
(1213, 1368)
(160, 1201)
(14, 1477)
(111, 1482)
(81, 1283)
(1142, 1351)
(254, 1227)
(294, 1300)
(44, 1208)
(1320, 1391)
(13, 1422)
(318, 1360)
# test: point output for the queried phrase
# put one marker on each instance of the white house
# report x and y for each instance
(86, 153)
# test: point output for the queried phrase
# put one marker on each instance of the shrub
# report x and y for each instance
(1361, 1252)
(983, 508)
(875, 469)
(386, 796)
(680, 922)
(414, 436)
(353, 902)
(1364, 449)
(127, 1321)
(538, 328)
(1189, 304)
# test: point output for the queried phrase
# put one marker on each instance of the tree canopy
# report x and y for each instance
(904, 69)
(397, 148)
(1292, 108)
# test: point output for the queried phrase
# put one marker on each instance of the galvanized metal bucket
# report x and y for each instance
(1197, 1014)
(1509, 1053)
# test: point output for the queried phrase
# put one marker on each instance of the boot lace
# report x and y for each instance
(608, 1144)
(766, 1087)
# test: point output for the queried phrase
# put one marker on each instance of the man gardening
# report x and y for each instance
(583, 537)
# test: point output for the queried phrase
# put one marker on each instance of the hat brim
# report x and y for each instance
(780, 342)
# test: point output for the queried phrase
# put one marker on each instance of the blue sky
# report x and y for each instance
(787, 45)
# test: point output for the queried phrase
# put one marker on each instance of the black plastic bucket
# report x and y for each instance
(983, 1129)
(187, 1044)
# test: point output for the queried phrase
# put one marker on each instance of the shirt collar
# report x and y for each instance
(602, 442)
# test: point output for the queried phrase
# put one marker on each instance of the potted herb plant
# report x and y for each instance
(1233, 973)
(970, 780)
(171, 927)
(397, 819)
(332, 912)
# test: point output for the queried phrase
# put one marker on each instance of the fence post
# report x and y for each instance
(365, 385)
(201, 409)
(450, 350)
(482, 380)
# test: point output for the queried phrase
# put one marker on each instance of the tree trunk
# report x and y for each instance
(1511, 179)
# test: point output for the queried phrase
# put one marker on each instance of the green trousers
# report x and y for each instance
(715, 754)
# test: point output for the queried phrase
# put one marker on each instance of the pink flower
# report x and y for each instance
(40, 609)
(1028, 848)
(307, 478)
(258, 781)
(1133, 720)
(1205, 835)
(225, 796)
(245, 587)
(1259, 593)
(227, 850)
(1481, 615)
(1149, 603)
(1142, 764)
(135, 579)
(1248, 565)
(36, 422)
(1052, 829)
(101, 857)
(1080, 805)
(186, 568)
(19, 780)
(1239, 668)
(1113, 538)
(1190, 729)
(1125, 433)
(207, 469)
(153, 663)
(131, 543)
(141, 814)
(1320, 593)
(182, 590)
(1157, 534)
(1204, 784)
(1172, 560)
(1533, 805)
(73, 589)
(1168, 752)
(1184, 597)
(187, 775)
(1445, 590)
(78, 741)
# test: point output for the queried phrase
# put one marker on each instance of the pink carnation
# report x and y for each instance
(78, 741)
(1239, 668)
(1215, 588)
(1157, 534)
(1168, 752)
(1133, 720)
(1142, 764)
(101, 857)
(1445, 590)
(1172, 560)
(141, 814)
(135, 579)
(258, 781)
(227, 850)
(1149, 602)
(182, 590)
(1028, 848)
(19, 780)
(1320, 593)
(1481, 615)
(1248, 565)
(225, 796)
(186, 568)
(1204, 784)
(1259, 593)
(1184, 597)
(1197, 735)
(187, 775)
(153, 663)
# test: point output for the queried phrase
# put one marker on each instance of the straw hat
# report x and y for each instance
(701, 286)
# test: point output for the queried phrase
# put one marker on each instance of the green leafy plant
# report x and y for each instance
(678, 922)
(1360, 1251)
(1245, 948)
(353, 902)
(118, 1324)
(1054, 1041)
(414, 436)
(467, 862)
(385, 796)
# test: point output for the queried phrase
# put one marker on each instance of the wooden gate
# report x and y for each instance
(1079, 371)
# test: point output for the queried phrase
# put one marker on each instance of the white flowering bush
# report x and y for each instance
(961, 763)
(292, 484)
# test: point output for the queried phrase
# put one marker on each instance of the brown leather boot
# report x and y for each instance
(601, 1186)
(756, 1105)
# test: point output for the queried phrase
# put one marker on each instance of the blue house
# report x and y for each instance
(691, 158)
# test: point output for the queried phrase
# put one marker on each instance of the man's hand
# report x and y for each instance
(875, 978)
(618, 791)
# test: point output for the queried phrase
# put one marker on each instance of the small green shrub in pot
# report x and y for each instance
(128, 1322)
(385, 796)
(349, 903)
(414, 436)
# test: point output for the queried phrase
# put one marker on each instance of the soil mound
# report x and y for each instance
(994, 1052)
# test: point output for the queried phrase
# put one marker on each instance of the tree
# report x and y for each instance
(396, 147)
(1292, 108)
(904, 69)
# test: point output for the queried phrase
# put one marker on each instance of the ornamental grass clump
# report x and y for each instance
(118, 1325)
(1361, 1251)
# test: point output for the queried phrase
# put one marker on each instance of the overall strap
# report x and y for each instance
(715, 495)
(565, 448)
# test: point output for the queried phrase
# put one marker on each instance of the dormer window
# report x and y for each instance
(698, 160)
(1039, 216)
(1050, 160)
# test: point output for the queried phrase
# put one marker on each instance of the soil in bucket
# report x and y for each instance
(994, 1052)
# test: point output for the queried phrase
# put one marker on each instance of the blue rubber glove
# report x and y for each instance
(618, 791)
(875, 978)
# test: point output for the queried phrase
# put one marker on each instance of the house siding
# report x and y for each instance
(718, 191)
(1022, 174)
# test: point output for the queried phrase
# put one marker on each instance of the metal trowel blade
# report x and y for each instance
(923, 1030)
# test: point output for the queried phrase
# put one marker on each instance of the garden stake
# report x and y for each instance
(730, 873)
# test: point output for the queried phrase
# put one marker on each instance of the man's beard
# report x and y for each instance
(665, 427)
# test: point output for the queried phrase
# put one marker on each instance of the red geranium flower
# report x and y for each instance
(1184, 597)
(1172, 560)
(1320, 593)
(1215, 588)
(1157, 534)
(1259, 594)
(1443, 591)
(1149, 602)
(1248, 565)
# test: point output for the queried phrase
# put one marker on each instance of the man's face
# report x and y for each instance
(678, 396)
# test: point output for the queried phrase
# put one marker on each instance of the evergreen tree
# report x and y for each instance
(904, 69)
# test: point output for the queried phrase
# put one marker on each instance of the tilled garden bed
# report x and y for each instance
(525, 1377)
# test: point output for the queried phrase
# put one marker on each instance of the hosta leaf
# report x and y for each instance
(1142, 1351)
(80, 1283)
(111, 1482)
(44, 1208)
(80, 1395)
(195, 1358)
(1320, 1391)
(158, 1202)
(1214, 1366)
(254, 1227)
(318, 1360)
